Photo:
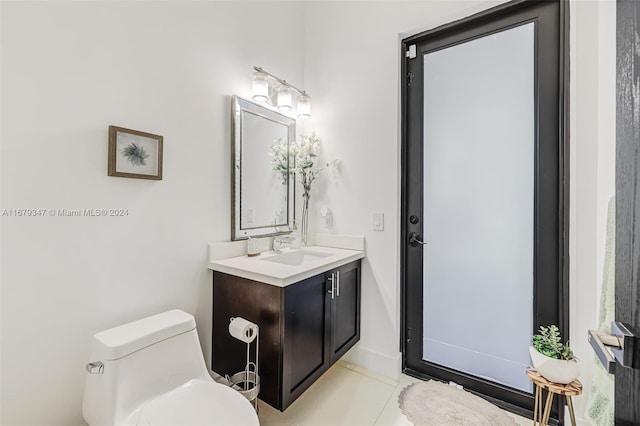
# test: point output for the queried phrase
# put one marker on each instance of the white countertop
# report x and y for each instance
(279, 274)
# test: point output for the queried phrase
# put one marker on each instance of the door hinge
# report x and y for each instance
(411, 53)
(408, 334)
(410, 78)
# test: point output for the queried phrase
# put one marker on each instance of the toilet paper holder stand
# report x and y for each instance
(247, 382)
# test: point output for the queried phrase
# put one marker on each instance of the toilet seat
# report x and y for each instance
(198, 402)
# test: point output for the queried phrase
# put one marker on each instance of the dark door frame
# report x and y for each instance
(552, 310)
(627, 277)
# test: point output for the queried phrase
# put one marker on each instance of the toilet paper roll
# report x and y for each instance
(243, 330)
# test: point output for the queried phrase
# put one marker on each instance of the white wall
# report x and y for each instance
(69, 70)
(583, 248)
(606, 120)
(592, 157)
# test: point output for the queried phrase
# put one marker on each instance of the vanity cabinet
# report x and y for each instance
(305, 327)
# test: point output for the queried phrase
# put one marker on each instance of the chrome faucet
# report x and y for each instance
(280, 240)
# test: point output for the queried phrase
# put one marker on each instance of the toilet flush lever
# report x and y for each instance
(95, 367)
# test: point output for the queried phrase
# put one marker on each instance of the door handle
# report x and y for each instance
(620, 347)
(338, 284)
(414, 240)
(602, 343)
(628, 353)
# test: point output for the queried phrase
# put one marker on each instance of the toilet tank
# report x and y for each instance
(142, 360)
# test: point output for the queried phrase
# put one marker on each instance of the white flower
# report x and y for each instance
(303, 155)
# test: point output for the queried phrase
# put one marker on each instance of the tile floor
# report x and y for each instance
(349, 396)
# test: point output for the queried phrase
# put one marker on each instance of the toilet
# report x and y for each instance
(151, 372)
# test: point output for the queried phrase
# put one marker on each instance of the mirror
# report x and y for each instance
(262, 195)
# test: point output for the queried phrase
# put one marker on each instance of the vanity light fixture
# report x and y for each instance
(280, 97)
(304, 106)
(260, 86)
(284, 99)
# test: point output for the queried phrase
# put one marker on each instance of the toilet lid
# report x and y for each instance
(199, 402)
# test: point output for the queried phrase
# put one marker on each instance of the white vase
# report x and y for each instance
(554, 370)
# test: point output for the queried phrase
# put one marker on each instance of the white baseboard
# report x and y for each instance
(375, 362)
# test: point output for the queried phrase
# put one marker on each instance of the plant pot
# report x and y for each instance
(554, 370)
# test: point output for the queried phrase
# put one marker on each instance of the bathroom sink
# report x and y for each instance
(296, 258)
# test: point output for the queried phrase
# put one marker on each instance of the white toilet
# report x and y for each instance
(151, 372)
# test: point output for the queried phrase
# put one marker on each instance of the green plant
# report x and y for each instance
(548, 343)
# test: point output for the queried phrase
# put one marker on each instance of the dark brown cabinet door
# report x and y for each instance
(345, 308)
(306, 337)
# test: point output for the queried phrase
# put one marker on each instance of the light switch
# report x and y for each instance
(378, 221)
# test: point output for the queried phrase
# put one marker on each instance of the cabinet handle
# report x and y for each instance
(338, 284)
(332, 279)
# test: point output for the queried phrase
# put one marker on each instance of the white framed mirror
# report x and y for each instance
(262, 194)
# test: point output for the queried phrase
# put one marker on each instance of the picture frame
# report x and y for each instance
(134, 154)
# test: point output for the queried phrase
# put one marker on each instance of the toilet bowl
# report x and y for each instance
(151, 372)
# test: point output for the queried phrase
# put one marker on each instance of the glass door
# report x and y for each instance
(483, 207)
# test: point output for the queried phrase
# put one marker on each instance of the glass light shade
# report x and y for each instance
(260, 87)
(304, 106)
(284, 99)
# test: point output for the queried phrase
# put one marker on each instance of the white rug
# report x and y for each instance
(437, 404)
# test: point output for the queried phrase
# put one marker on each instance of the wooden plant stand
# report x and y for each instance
(542, 414)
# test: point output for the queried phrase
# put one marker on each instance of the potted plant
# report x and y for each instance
(553, 359)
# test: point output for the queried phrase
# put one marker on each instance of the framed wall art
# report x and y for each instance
(134, 154)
